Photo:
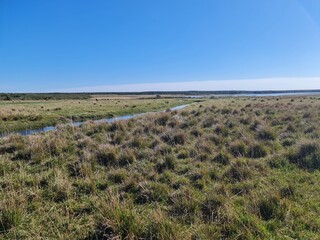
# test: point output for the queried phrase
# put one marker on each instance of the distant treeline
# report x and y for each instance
(192, 93)
(42, 96)
(60, 96)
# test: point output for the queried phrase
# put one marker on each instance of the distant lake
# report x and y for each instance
(275, 94)
(250, 94)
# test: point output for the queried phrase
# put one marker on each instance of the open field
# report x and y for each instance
(42, 96)
(229, 168)
(31, 114)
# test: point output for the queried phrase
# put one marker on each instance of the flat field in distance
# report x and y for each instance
(225, 168)
(31, 114)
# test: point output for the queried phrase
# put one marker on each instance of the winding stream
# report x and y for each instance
(77, 124)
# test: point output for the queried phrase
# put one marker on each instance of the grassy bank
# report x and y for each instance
(221, 169)
(20, 115)
(43, 96)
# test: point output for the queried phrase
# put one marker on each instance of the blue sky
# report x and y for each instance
(78, 45)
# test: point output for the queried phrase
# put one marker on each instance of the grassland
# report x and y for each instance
(231, 168)
(43, 96)
(31, 114)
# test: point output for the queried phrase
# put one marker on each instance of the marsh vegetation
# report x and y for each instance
(229, 168)
(32, 114)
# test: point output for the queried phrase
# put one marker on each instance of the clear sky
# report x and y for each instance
(106, 45)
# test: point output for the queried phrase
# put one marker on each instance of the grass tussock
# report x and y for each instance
(230, 169)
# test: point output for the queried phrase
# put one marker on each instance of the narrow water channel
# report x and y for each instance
(27, 132)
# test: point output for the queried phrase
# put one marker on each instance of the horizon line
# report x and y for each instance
(249, 85)
(177, 92)
(257, 84)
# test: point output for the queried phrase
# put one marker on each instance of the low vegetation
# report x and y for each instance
(32, 114)
(229, 168)
(42, 96)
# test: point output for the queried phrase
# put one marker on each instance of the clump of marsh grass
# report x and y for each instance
(306, 155)
(212, 207)
(117, 126)
(238, 149)
(127, 157)
(208, 122)
(152, 192)
(162, 119)
(266, 134)
(240, 170)
(222, 158)
(116, 220)
(257, 150)
(11, 215)
(159, 227)
(169, 162)
(271, 208)
(118, 176)
(185, 205)
(107, 155)
(174, 138)
(195, 174)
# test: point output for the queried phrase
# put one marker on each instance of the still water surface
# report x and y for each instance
(76, 124)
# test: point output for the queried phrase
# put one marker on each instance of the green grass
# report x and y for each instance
(42, 96)
(229, 168)
(28, 114)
